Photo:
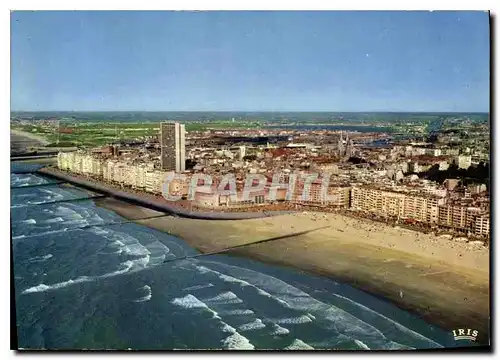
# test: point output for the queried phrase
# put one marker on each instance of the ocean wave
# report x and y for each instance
(26, 179)
(79, 222)
(44, 287)
(341, 321)
(126, 243)
(147, 297)
(40, 258)
(227, 297)
(243, 283)
(198, 287)
(136, 249)
(125, 267)
(29, 221)
(192, 302)
(236, 341)
(237, 312)
(64, 211)
(303, 319)
(394, 323)
(311, 316)
(158, 260)
(278, 330)
(40, 234)
(254, 325)
(53, 220)
(98, 230)
(227, 328)
(189, 302)
(158, 247)
(142, 262)
(298, 344)
(361, 344)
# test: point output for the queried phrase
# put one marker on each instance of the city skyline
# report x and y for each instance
(249, 61)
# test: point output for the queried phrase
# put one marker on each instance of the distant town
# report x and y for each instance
(432, 175)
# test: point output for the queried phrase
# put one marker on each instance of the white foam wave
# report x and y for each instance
(40, 258)
(65, 211)
(278, 330)
(142, 262)
(192, 302)
(136, 249)
(158, 247)
(392, 322)
(227, 328)
(124, 268)
(243, 283)
(236, 341)
(147, 297)
(44, 287)
(298, 344)
(126, 243)
(294, 298)
(227, 297)
(29, 221)
(198, 287)
(361, 344)
(158, 260)
(53, 220)
(303, 319)
(40, 234)
(81, 222)
(189, 302)
(237, 312)
(254, 325)
(98, 230)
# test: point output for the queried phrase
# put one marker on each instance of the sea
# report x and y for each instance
(85, 278)
(329, 127)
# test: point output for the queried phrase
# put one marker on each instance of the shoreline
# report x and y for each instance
(186, 208)
(40, 139)
(150, 202)
(451, 292)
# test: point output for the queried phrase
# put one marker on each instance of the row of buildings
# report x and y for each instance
(425, 205)
(431, 209)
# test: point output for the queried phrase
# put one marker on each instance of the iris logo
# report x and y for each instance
(465, 334)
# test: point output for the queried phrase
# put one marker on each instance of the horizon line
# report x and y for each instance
(266, 111)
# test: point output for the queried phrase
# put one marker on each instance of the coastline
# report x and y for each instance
(445, 283)
(35, 138)
(156, 203)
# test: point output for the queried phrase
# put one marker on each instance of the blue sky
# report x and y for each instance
(250, 61)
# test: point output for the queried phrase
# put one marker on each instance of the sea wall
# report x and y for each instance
(152, 204)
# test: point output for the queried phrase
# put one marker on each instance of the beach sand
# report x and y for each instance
(29, 138)
(445, 282)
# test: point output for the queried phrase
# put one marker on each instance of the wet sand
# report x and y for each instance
(444, 282)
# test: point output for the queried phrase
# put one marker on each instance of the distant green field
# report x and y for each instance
(102, 133)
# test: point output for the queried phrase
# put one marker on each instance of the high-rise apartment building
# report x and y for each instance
(173, 149)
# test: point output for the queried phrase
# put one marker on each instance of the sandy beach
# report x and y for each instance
(443, 281)
(17, 135)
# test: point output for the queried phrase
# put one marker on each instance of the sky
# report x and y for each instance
(250, 61)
